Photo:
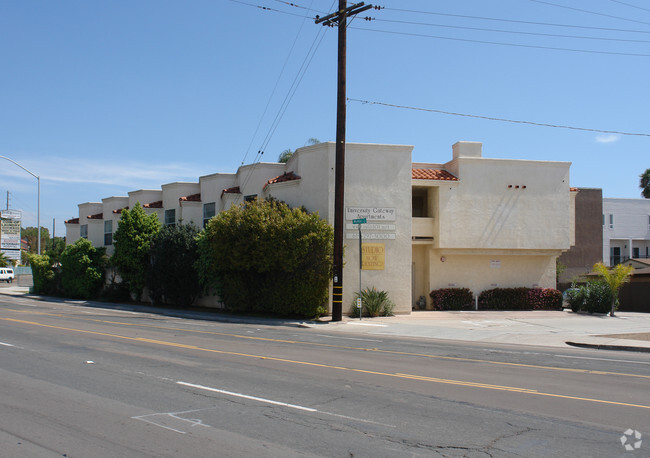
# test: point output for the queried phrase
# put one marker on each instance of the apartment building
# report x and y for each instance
(472, 221)
(626, 230)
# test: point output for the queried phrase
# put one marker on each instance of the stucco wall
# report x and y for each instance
(95, 226)
(110, 205)
(479, 272)
(172, 192)
(491, 209)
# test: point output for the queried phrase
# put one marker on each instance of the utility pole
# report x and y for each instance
(340, 18)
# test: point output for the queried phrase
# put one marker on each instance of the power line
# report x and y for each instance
(490, 118)
(517, 45)
(516, 21)
(293, 45)
(589, 12)
(482, 29)
(630, 5)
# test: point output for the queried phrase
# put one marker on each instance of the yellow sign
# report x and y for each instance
(374, 256)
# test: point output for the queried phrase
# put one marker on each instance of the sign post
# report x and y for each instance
(359, 222)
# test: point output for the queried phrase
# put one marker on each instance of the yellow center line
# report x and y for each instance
(344, 347)
(341, 368)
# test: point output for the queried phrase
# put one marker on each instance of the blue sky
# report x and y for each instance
(100, 98)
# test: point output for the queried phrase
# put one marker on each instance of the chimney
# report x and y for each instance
(467, 149)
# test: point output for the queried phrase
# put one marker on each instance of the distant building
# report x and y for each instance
(626, 230)
(471, 222)
(588, 247)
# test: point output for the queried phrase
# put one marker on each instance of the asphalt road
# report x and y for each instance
(80, 381)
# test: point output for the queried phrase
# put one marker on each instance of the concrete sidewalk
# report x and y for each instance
(626, 331)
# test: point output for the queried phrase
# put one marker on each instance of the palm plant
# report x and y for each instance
(615, 278)
(644, 184)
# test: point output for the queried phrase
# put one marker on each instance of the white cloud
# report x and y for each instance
(610, 138)
(129, 174)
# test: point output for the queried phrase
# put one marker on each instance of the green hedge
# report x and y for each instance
(267, 258)
(452, 299)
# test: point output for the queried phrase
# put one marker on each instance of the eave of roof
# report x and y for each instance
(157, 204)
(286, 176)
(432, 174)
(233, 190)
(191, 198)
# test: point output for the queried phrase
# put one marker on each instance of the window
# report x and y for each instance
(170, 217)
(250, 198)
(208, 212)
(611, 221)
(108, 233)
(635, 253)
(83, 231)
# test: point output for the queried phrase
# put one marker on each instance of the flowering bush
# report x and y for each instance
(452, 299)
(545, 299)
(520, 299)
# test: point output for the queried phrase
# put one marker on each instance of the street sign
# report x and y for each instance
(359, 221)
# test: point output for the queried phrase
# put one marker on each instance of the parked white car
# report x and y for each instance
(6, 274)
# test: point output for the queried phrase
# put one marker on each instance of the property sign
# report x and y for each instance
(11, 214)
(374, 256)
(10, 234)
(370, 213)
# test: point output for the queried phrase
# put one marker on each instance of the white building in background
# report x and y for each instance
(471, 222)
(626, 230)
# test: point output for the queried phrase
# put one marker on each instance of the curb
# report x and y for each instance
(609, 347)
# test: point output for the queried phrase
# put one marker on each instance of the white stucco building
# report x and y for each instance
(626, 230)
(472, 222)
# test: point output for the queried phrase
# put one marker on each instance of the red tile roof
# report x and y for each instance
(233, 190)
(574, 189)
(286, 176)
(157, 204)
(432, 174)
(96, 216)
(72, 221)
(119, 210)
(192, 198)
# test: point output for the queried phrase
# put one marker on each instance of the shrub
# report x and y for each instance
(82, 269)
(592, 297)
(173, 278)
(373, 302)
(132, 241)
(452, 299)
(545, 299)
(266, 257)
(520, 299)
(43, 274)
(504, 299)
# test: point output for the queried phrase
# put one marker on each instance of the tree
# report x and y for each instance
(31, 235)
(54, 248)
(644, 184)
(82, 269)
(615, 278)
(173, 278)
(3, 260)
(285, 155)
(132, 241)
(266, 257)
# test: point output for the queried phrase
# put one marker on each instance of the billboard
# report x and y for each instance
(10, 234)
